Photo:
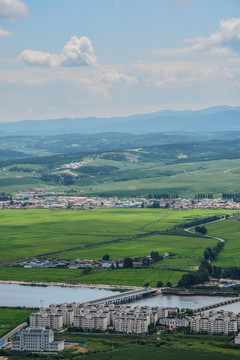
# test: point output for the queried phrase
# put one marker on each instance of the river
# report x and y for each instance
(36, 296)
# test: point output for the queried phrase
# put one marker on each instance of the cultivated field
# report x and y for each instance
(230, 231)
(121, 233)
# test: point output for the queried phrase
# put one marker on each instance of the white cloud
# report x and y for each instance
(77, 52)
(4, 32)
(13, 9)
(226, 41)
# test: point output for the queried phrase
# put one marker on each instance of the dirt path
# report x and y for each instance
(156, 221)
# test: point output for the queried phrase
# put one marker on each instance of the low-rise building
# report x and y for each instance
(174, 323)
(237, 339)
(37, 339)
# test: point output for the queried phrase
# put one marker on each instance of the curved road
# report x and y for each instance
(12, 332)
(207, 236)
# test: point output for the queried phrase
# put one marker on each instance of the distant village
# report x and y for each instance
(106, 262)
(40, 198)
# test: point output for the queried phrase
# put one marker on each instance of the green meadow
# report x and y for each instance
(28, 233)
(128, 277)
(11, 317)
(228, 230)
(71, 234)
(178, 245)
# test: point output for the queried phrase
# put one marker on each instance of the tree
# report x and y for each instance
(151, 329)
(159, 284)
(106, 257)
(87, 271)
(155, 256)
(169, 284)
(127, 263)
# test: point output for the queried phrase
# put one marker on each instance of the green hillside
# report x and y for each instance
(176, 169)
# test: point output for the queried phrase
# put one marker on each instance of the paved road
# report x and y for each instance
(12, 332)
(207, 236)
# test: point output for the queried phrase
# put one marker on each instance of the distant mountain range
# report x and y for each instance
(220, 118)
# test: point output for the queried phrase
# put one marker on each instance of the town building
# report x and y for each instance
(37, 339)
(215, 322)
(122, 317)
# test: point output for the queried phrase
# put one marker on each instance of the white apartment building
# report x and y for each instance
(37, 339)
(132, 325)
(91, 322)
(99, 317)
(46, 320)
(215, 322)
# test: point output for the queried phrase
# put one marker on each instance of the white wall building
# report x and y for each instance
(37, 339)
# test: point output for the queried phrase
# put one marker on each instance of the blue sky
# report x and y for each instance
(75, 58)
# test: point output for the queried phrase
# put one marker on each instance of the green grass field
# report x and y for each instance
(179, 245)
(135, 277)
(228, 230)
(11, 317)
(25, 233)
(91, 234)
(197, 177)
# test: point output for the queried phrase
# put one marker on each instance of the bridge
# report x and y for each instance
(213, 306)
(125, 297)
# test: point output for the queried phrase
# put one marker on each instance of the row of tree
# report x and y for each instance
(231, 196)
(205, 269)
(204, 196)
(162, 196)
(211, 254)
(199, 221)
(201, 229)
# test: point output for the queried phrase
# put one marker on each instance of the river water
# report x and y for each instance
(36, 296)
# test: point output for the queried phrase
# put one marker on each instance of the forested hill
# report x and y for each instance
(32, 146)
(185, 169)
(169, 153)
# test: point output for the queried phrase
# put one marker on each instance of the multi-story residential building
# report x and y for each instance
(98, 317)
(37, 339)
(132, 325)
(47, 320)
(91, 322)
(215, 322)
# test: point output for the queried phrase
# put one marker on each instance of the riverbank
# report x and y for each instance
(62, 284)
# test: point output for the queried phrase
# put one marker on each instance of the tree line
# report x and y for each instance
(205, 269)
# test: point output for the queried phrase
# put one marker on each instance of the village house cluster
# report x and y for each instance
(87, 317)
(83, 263)
(41, 198)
